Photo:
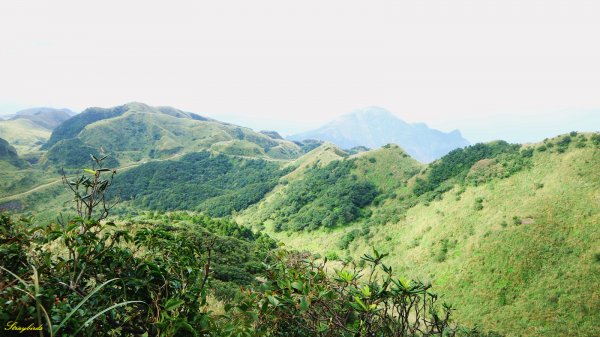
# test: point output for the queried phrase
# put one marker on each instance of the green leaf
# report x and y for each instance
(304, 304)
(361, 303)
(273, 300)
(173, 303)
(102, 312)
(297, 285)
(85, 299)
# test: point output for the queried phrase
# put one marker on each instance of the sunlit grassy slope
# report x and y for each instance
(144, 132)
(525, 263)
(23, 134)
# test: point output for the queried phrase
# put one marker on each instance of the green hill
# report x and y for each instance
(507, 233)
(9, 157)
(136, 132)
(16, 174)
(328, 188)
(25, 135)
(215, 184)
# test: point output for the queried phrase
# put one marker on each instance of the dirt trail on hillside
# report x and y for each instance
(42, 186)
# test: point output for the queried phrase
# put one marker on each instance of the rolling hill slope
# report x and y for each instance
(136, 132)
(25, 135)
(9, 157)
(515, 249)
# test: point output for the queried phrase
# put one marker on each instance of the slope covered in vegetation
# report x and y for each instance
(24, 135)
(134, 132)
(330, 189)
(163, 275)
(515, 249)
(215, 184)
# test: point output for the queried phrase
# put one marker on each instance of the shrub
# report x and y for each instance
(299, 298)
(347, 239)
(478, 204)
(455, 165)
(442, 252)
(528, 153)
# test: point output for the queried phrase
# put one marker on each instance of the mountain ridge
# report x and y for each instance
(160, 132)
(45, 117)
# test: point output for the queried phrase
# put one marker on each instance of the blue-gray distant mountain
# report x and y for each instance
(374, 127)
(48, 118)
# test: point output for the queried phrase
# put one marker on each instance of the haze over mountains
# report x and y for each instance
(370, 127)
(374, 127)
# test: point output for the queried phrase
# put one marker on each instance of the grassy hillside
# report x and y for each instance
(24, 135)
(16, 174)
(137, 132)
(517, 253)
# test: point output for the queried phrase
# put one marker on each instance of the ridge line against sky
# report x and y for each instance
(515, 70)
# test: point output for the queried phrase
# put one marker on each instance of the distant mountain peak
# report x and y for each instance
(48, 118)
(41, 110)
(139, 106)
(375, 126)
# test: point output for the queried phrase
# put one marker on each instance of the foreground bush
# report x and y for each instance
(302, 297)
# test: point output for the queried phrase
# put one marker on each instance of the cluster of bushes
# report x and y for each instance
(151, 280)
(327, 196)
(455, 166)
(214, 184)
(86, 278)
(562, 143)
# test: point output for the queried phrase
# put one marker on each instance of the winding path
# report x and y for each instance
(59, 180)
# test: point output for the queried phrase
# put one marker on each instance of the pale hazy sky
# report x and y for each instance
(517, 70)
